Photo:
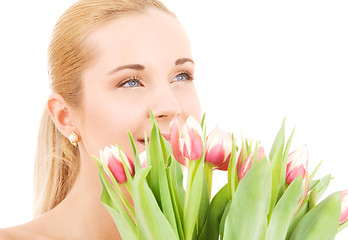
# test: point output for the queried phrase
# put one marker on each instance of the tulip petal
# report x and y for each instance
(142, 158)
(224, 166)
(294, 173)
(245, 167)
(216, 151)
(298, 157)
(176, 143)
(192, 134)
(117, 170)
(193, 149)
(112, 158)
(215, 154)
(344, 207)
(218, 148)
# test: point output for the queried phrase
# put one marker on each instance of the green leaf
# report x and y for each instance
(232, 172)
(126, 231)
(119, 202)
(283, 166)
(204, 205)
(194, 195)
(135, 153)
(177, 207)
(156, 156)
(312, 184)
(319, 189)
(166, 148)
(160, 152)
(125, 225)
(297, 218)
(284, 211)
(112, 203)
(321, 222)
(223, 219)
(166, 200)
(203, 121)
(278, 142)
(216, 209)
(277, 163)
(315, 170)
(177, 178)
(152, 224)
(148, 159)
(247, 217)
(322, 185)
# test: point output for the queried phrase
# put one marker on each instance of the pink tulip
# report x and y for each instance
(243, 166)
(175, 142)
(187, 144)
(142, 158)
(218, 149)
(344, 207)
(112, 159)
(298, 165)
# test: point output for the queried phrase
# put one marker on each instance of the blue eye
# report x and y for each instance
(183, 77)
(131, 83)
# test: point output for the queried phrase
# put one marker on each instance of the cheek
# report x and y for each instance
(107, 121)
(189, 102)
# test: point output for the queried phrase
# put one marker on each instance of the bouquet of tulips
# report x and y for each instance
(265, 197)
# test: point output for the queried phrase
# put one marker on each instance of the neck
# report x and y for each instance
(81, 215)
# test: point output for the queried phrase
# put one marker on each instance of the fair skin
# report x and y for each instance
(144, 62)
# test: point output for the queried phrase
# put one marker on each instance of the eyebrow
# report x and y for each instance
(129, 66)
(140, 67)
(183, 60)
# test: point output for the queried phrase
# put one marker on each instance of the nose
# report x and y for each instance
(164, 104)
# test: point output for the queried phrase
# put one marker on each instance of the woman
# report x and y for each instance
(110, 61)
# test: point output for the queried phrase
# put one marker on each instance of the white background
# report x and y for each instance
(256, 63)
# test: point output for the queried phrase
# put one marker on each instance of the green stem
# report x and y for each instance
(209, 175)
(188, 183)
(129, 189)
(192, 168)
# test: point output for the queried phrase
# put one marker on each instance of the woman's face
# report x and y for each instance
(144, 62)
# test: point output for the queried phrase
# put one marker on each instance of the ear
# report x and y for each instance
(60, 114)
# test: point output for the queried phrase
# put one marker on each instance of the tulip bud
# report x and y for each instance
(244, 167)
(111, 157)
(188, 143)
(298, 165)
(218, 149)
(175, 142)
(344, 207)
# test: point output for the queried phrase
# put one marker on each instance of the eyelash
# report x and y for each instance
(188, 75)
(133, 78)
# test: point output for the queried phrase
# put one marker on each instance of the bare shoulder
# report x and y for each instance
(12, 233)
(5, 235)
(24, 231)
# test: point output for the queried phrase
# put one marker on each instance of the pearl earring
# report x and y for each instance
(74, 139)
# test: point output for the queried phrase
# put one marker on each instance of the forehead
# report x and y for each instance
(152, 35)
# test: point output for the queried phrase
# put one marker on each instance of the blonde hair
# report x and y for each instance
(57, 162)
